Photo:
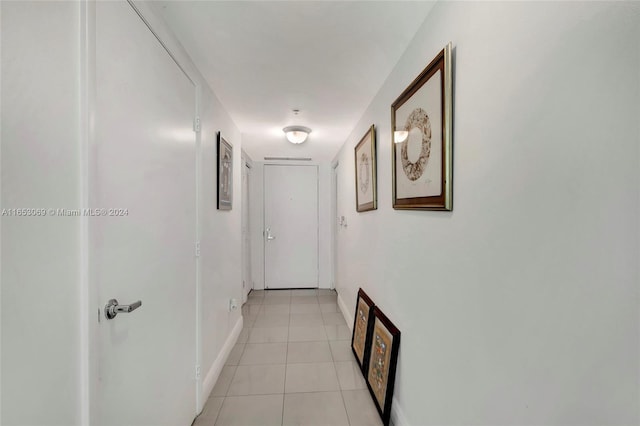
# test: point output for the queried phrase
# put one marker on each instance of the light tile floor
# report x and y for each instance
(292, 365)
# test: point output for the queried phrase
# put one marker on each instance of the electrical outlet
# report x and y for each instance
(233, 305)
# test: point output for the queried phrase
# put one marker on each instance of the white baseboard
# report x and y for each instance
(214, 372)
(346, 312)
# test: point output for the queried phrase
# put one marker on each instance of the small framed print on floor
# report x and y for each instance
(383, 358)
(362, 327)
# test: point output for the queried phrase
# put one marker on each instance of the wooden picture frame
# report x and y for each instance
(362, 328)
(383, 358)
(421, 125)
(225, 174)
(366, 172)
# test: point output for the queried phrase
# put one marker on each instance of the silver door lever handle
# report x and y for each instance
(111, 309)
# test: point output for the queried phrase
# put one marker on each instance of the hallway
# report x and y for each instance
(292, 365)
(477, 177)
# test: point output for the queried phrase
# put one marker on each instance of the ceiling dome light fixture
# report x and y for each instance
(400, 136)
(296, 134)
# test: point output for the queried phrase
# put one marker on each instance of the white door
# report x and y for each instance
(291, 226)
(246, 235)
(143, 162)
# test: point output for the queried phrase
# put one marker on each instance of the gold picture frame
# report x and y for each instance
(362, 328)
(421, 126)
(366, 172)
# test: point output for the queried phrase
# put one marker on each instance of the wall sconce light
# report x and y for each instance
(296, 134)
(400, 136)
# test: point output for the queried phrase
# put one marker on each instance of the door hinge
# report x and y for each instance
(197, 372)
(197, 248)
(196, 124)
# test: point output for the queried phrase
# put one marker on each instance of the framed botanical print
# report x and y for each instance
(421, 123)
(362, 326)
(366, 172)
(225, 174)
(383, 358)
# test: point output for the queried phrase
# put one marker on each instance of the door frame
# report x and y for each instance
(334, 223)
(264, 240)
(247, 170)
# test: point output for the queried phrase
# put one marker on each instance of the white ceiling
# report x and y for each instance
(265, 58)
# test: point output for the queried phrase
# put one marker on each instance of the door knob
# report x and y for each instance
(111, 309)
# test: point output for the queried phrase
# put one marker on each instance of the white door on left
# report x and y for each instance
(142, 164)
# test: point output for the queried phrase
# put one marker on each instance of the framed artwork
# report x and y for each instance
(421, 123)
(225, 174)
(362, 327)
(381, 374)
(366, 172)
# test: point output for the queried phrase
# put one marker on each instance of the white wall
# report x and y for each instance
(324, 224)
(521, 305)
(221, 256)
(40, 255)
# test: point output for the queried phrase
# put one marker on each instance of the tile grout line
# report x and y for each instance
(224, 398)
(262, 311)
(286, 363)
(344, 404)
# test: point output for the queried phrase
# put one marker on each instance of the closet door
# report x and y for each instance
(142, 170)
